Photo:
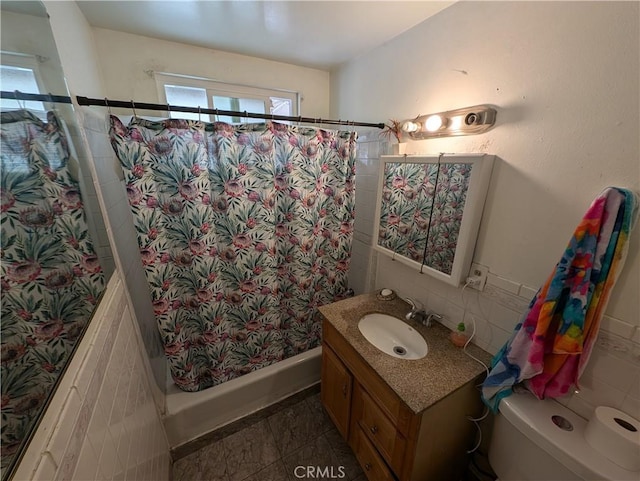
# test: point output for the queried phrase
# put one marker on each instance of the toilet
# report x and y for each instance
(537, 440)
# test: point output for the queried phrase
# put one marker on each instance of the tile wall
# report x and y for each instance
(612, 374)
(102, 423)
(112, 190)
(97, 228)
(361, 272)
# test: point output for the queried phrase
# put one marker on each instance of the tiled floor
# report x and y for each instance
(273, 449)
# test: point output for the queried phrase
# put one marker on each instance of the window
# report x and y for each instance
(20, 72)
(195, 92)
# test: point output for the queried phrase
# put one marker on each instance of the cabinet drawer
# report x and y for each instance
(374, 467)
(382, 432)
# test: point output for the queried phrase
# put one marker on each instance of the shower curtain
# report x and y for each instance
(243, 232)
(51, 277)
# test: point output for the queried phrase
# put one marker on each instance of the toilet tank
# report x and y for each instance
(536, 440)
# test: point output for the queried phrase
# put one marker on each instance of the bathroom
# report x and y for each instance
(564, 79)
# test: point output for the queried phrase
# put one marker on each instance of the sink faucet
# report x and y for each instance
(419, 314)
(416, 313)
(430, 317)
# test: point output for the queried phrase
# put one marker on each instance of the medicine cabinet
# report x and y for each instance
(429, 209)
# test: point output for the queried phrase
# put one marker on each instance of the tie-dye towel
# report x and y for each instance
(550, 346)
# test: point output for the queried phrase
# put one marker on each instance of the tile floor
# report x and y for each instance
(272, 448)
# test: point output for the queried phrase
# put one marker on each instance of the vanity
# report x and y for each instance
(404, 419)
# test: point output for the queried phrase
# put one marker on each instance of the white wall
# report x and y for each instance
(564, 78)
(74, 38)
(127, 62)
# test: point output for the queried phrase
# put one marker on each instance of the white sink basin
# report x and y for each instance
(393, 336)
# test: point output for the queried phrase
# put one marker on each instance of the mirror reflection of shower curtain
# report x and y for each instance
(243, 232)
(51, 277)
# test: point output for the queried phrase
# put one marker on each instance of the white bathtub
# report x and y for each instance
(190, 415)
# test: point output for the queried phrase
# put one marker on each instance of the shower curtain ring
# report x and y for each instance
(106, 102)
(20, 101)
(133, 107)
(199, 114)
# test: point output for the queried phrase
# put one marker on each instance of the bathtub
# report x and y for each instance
(190, 415)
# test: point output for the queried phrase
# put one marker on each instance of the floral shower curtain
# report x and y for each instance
(51, 277)
(243, 232)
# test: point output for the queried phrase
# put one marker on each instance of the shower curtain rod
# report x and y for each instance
(130, 104)
(17, 95)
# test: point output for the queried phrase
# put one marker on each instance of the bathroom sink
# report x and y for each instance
(393, 336)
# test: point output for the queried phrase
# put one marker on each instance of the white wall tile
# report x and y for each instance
(581, 406)
(364, 239)
(453, 315)
(631, 406)
(617, 327)
(616, 372)
(437, 303)
(87, 463)
(62, 434)
(109, 461)
(97, 429)
(634, 389)
(504, 317)
(497, 338)
(527, 292)
(46, 469)
(504, 284)
(599, 393)
(476, 303)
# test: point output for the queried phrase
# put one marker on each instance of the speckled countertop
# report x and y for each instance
(421, 382)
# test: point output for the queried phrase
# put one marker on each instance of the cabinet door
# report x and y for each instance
(336, 386)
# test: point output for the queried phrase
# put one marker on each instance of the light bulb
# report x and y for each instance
(456, 123)
(433, 123)
(409, 126)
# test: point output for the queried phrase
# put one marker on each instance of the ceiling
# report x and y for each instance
(318, 34)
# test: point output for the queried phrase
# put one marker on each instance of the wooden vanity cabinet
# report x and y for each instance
(389, 440)
(337, 397)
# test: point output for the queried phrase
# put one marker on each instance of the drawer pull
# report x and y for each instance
(368, 466)
(373, 429)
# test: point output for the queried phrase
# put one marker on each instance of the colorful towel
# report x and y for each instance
(551, 345)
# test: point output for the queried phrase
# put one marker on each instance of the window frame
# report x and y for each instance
(224, 89)
(29, 62)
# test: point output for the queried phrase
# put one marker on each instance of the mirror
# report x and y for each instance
(429, 209)
(55, 252)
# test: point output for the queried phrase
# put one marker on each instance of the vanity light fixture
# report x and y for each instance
(466, 121)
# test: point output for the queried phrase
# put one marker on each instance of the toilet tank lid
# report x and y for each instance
(534, 418)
